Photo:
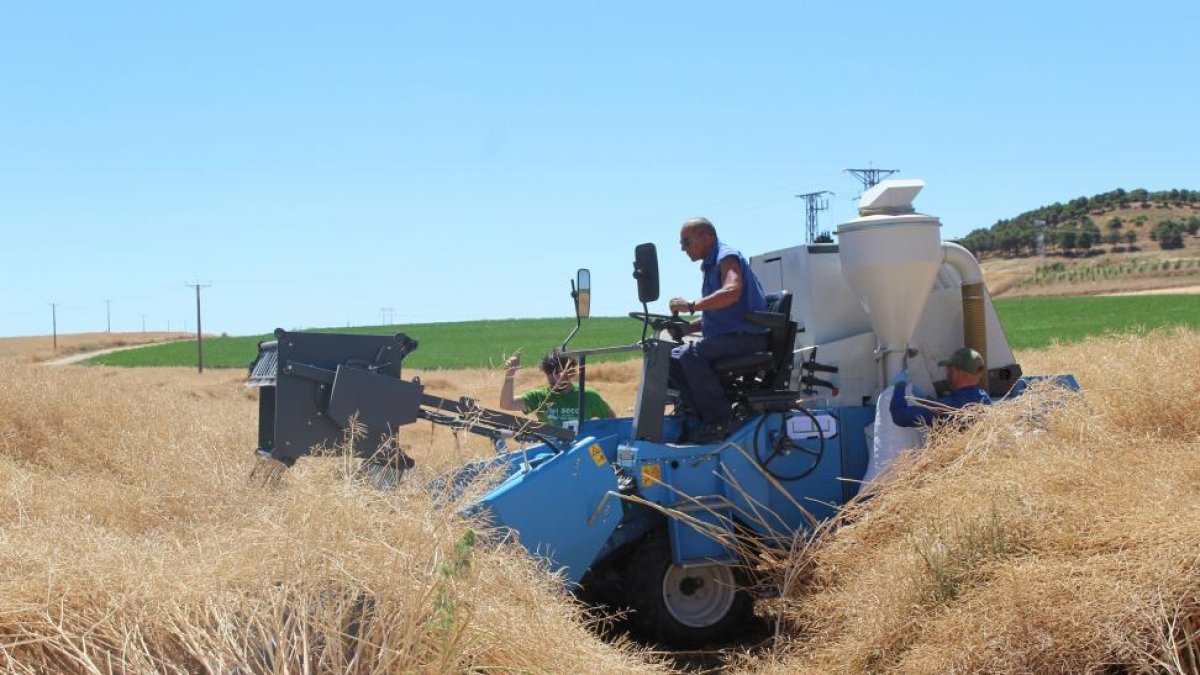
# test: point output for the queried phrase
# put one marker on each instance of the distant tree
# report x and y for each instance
(1068, 238)
(1089, 234)
(1192, 225)
(1168, 234)
(1112, 236)
(979, 241)
(1131, 237)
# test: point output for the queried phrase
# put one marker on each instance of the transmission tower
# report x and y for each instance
(814, 203)
(870, 177)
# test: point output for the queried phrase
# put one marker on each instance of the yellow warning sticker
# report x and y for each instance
(597, 454)
(651, 474)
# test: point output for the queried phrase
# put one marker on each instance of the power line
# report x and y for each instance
(814, 203)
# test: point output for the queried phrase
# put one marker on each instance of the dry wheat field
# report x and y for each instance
(45, 347)
(1056, 534)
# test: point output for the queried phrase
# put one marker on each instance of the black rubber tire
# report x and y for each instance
(713, 602)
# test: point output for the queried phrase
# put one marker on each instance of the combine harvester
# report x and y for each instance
(621, 507)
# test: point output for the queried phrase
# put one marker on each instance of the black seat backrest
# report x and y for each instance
(781, 339)
(770, 369)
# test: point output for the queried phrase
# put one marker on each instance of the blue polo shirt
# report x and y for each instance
(905, 414)
(729, 320)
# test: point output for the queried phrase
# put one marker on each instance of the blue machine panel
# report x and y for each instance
(562, 509)
(779, 473)
(692, 542)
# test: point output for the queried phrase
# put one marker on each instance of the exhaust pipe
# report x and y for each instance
(974, 322)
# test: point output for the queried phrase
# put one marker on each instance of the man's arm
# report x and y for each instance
(726, 295)
(507, 400)
(905, 414)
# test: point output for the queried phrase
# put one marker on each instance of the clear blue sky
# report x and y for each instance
(317, 162)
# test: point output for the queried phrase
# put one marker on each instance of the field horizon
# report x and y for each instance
(1029, 322)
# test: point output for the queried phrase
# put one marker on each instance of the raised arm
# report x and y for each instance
(507, 400)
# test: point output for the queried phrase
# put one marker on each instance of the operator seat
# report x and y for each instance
(768, 370)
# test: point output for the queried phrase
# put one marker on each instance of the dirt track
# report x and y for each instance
(1179, 290)
(84, 356)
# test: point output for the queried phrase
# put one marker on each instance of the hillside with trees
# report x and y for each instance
(1114, 222)
(1113, 242)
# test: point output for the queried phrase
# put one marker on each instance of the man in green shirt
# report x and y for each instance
(557, 402)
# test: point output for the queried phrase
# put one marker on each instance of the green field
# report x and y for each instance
(1030, 323)
(465, 344)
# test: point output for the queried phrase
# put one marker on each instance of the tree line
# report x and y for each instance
(1071, 230)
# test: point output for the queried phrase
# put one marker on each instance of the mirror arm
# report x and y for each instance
(578, 320)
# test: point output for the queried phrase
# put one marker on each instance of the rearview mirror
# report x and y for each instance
(645, 270)
(583, 294)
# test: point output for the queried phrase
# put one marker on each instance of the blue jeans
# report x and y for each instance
(693, 375)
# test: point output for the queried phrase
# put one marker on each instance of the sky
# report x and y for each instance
(332, 164)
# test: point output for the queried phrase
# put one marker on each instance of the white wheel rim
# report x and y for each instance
(698, 597)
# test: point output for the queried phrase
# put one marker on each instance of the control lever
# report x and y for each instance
(809, 367)
(675, 331)
(810, 383)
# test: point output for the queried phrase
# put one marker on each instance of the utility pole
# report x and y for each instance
(870, 177)
(1040, 225)
(199, 337)
(54, 324)
(143, 323)
(385, 316)
(814, 203)
(108, 316)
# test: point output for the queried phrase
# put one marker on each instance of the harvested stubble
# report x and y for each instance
(1055, 534)
(133, 542)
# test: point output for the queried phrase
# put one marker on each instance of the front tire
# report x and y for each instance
(684, 607)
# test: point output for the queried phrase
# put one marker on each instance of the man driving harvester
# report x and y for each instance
(728, 292)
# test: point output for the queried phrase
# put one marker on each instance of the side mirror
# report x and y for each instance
(645, 270)
(583, 294)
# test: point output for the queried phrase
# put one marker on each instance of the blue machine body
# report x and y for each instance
(568, 509)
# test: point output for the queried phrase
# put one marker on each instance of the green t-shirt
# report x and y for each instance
(561, 409)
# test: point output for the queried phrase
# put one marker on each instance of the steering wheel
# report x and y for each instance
(778, 444)
(660, 321)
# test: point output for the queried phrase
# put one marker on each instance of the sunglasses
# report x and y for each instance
(684, 241)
